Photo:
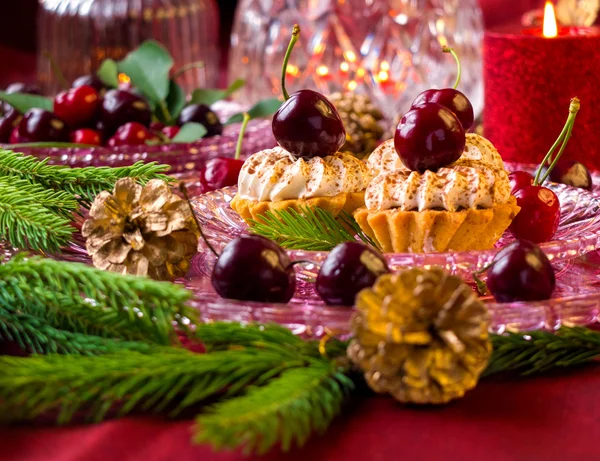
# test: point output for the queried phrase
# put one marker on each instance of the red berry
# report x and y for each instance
(86, 136)
(220, 172)
(8, 123)
(519, 180)
(131, 134)
(14, 136)
(39, 125)
(170, 131)
(77, 106)
(539, 216)
(572, 173)
(453, 99)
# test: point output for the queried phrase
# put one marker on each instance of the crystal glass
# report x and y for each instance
(79, 34)
(388, 49)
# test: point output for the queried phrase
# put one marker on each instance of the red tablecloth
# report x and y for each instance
(552, 417)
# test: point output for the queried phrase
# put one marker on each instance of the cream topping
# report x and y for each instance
(275, 174)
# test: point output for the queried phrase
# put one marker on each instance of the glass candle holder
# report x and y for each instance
(388, 49)
(80, 34)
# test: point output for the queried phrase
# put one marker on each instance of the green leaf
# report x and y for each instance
(264, 108)
(210, 96)
(108, 73)
(148, 68)
(190, 132)
(23, 102)
(175, 99)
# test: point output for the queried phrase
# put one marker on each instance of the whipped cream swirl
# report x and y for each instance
(275, 174)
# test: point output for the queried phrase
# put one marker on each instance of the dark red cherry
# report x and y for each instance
(349, 268)
(220, 172)
(204, 115)
(453, 99)
(90, 80)
(8, 123)
(121, 107)
(170, 131)
(253, 268)
(521, 272)
(131, 134)
(539, 216)
(308, 125)
(572, 173)
(519, 180)
(19, 87)
(77, 106)
(39, 125)
(429, 137)
(86, 136)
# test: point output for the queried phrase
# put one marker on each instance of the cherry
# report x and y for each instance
(77, 106)
(539, 216)
(452, 99)
(19, 87)
(220, 172)
(519, 180)
(521, 272)
(253, 268)
(8, 123)
(349, 268)
(39, 125)
(86, 136)
(307, 124)
(90, 80)
(120, 107)
(14, 135)
(429, 137)
(572, 173)
(202, 114)
(157, 126)
(170, 131)
(131, 134)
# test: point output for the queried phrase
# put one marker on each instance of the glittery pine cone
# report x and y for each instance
(361, 119)
(420, 335)
(138, 230)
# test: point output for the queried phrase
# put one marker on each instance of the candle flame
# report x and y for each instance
(550, 28)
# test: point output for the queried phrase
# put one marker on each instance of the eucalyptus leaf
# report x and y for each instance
(23, 101)
(148, 67)
(190, 132)
(175, 99)
(263, 108)
(210, 96)
(108, 73)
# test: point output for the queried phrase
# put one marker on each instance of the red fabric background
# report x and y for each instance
(552, 417)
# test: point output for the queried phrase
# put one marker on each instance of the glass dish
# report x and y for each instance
(182, 158)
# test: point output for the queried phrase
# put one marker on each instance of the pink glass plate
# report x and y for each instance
(181, 157)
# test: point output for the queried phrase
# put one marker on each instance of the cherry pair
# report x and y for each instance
(254, 268)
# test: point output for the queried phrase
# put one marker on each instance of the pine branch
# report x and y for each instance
(26, 223)
(539, 351)
(285, 411)
(84, 183)
(311, 229)
(170, 378)
(39, 337)
(83, 299)
(59, 202)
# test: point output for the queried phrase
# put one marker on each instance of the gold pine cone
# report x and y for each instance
(361, 120)
(138, 230)
(420, 335)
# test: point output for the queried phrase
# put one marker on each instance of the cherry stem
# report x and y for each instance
(183, 190)
(56, 70)
(183, 69)
(286, 58)
(563, 138)
(238, 147)
(482, 288)
(446, 49)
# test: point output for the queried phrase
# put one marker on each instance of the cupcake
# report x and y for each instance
(274, 179)
(466, 205)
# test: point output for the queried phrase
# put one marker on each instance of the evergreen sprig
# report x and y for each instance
(83, 183)
(311, 229)
(82, 299)
(286, 411)
(29, 218)
(540, 351)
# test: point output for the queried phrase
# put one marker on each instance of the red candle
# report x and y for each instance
(530, 76)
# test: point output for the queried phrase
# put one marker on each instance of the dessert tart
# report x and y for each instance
(274, 179)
